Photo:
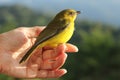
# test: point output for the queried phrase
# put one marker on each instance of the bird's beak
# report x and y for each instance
(78, 12)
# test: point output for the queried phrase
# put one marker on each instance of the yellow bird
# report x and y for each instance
(59, 30)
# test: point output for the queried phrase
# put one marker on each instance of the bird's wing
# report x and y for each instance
(50, 32)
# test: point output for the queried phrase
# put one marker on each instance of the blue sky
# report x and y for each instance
(107, 11)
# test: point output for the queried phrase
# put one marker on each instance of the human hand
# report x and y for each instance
(42, 64)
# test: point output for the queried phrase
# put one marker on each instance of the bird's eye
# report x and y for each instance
(71, 13)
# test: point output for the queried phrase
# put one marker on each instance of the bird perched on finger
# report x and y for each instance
(58, 31)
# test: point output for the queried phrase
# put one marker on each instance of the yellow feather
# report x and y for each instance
(63, 37)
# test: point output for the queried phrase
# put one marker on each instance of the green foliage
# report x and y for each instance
(99, 45)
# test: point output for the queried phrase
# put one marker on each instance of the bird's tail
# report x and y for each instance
(28, 54)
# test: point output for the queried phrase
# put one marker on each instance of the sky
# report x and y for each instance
(106, 11)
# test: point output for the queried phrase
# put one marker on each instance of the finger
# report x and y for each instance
(34, 31)
(36, 55)
(51, 74)
(49, 54)
(59, 50)
(48, 57)
(71, 48)
(54, 63)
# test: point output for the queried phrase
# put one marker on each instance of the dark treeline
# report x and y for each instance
(99, 44)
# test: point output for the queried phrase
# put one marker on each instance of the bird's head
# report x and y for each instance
(68, 14)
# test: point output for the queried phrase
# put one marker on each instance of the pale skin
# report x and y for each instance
(43, 63)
